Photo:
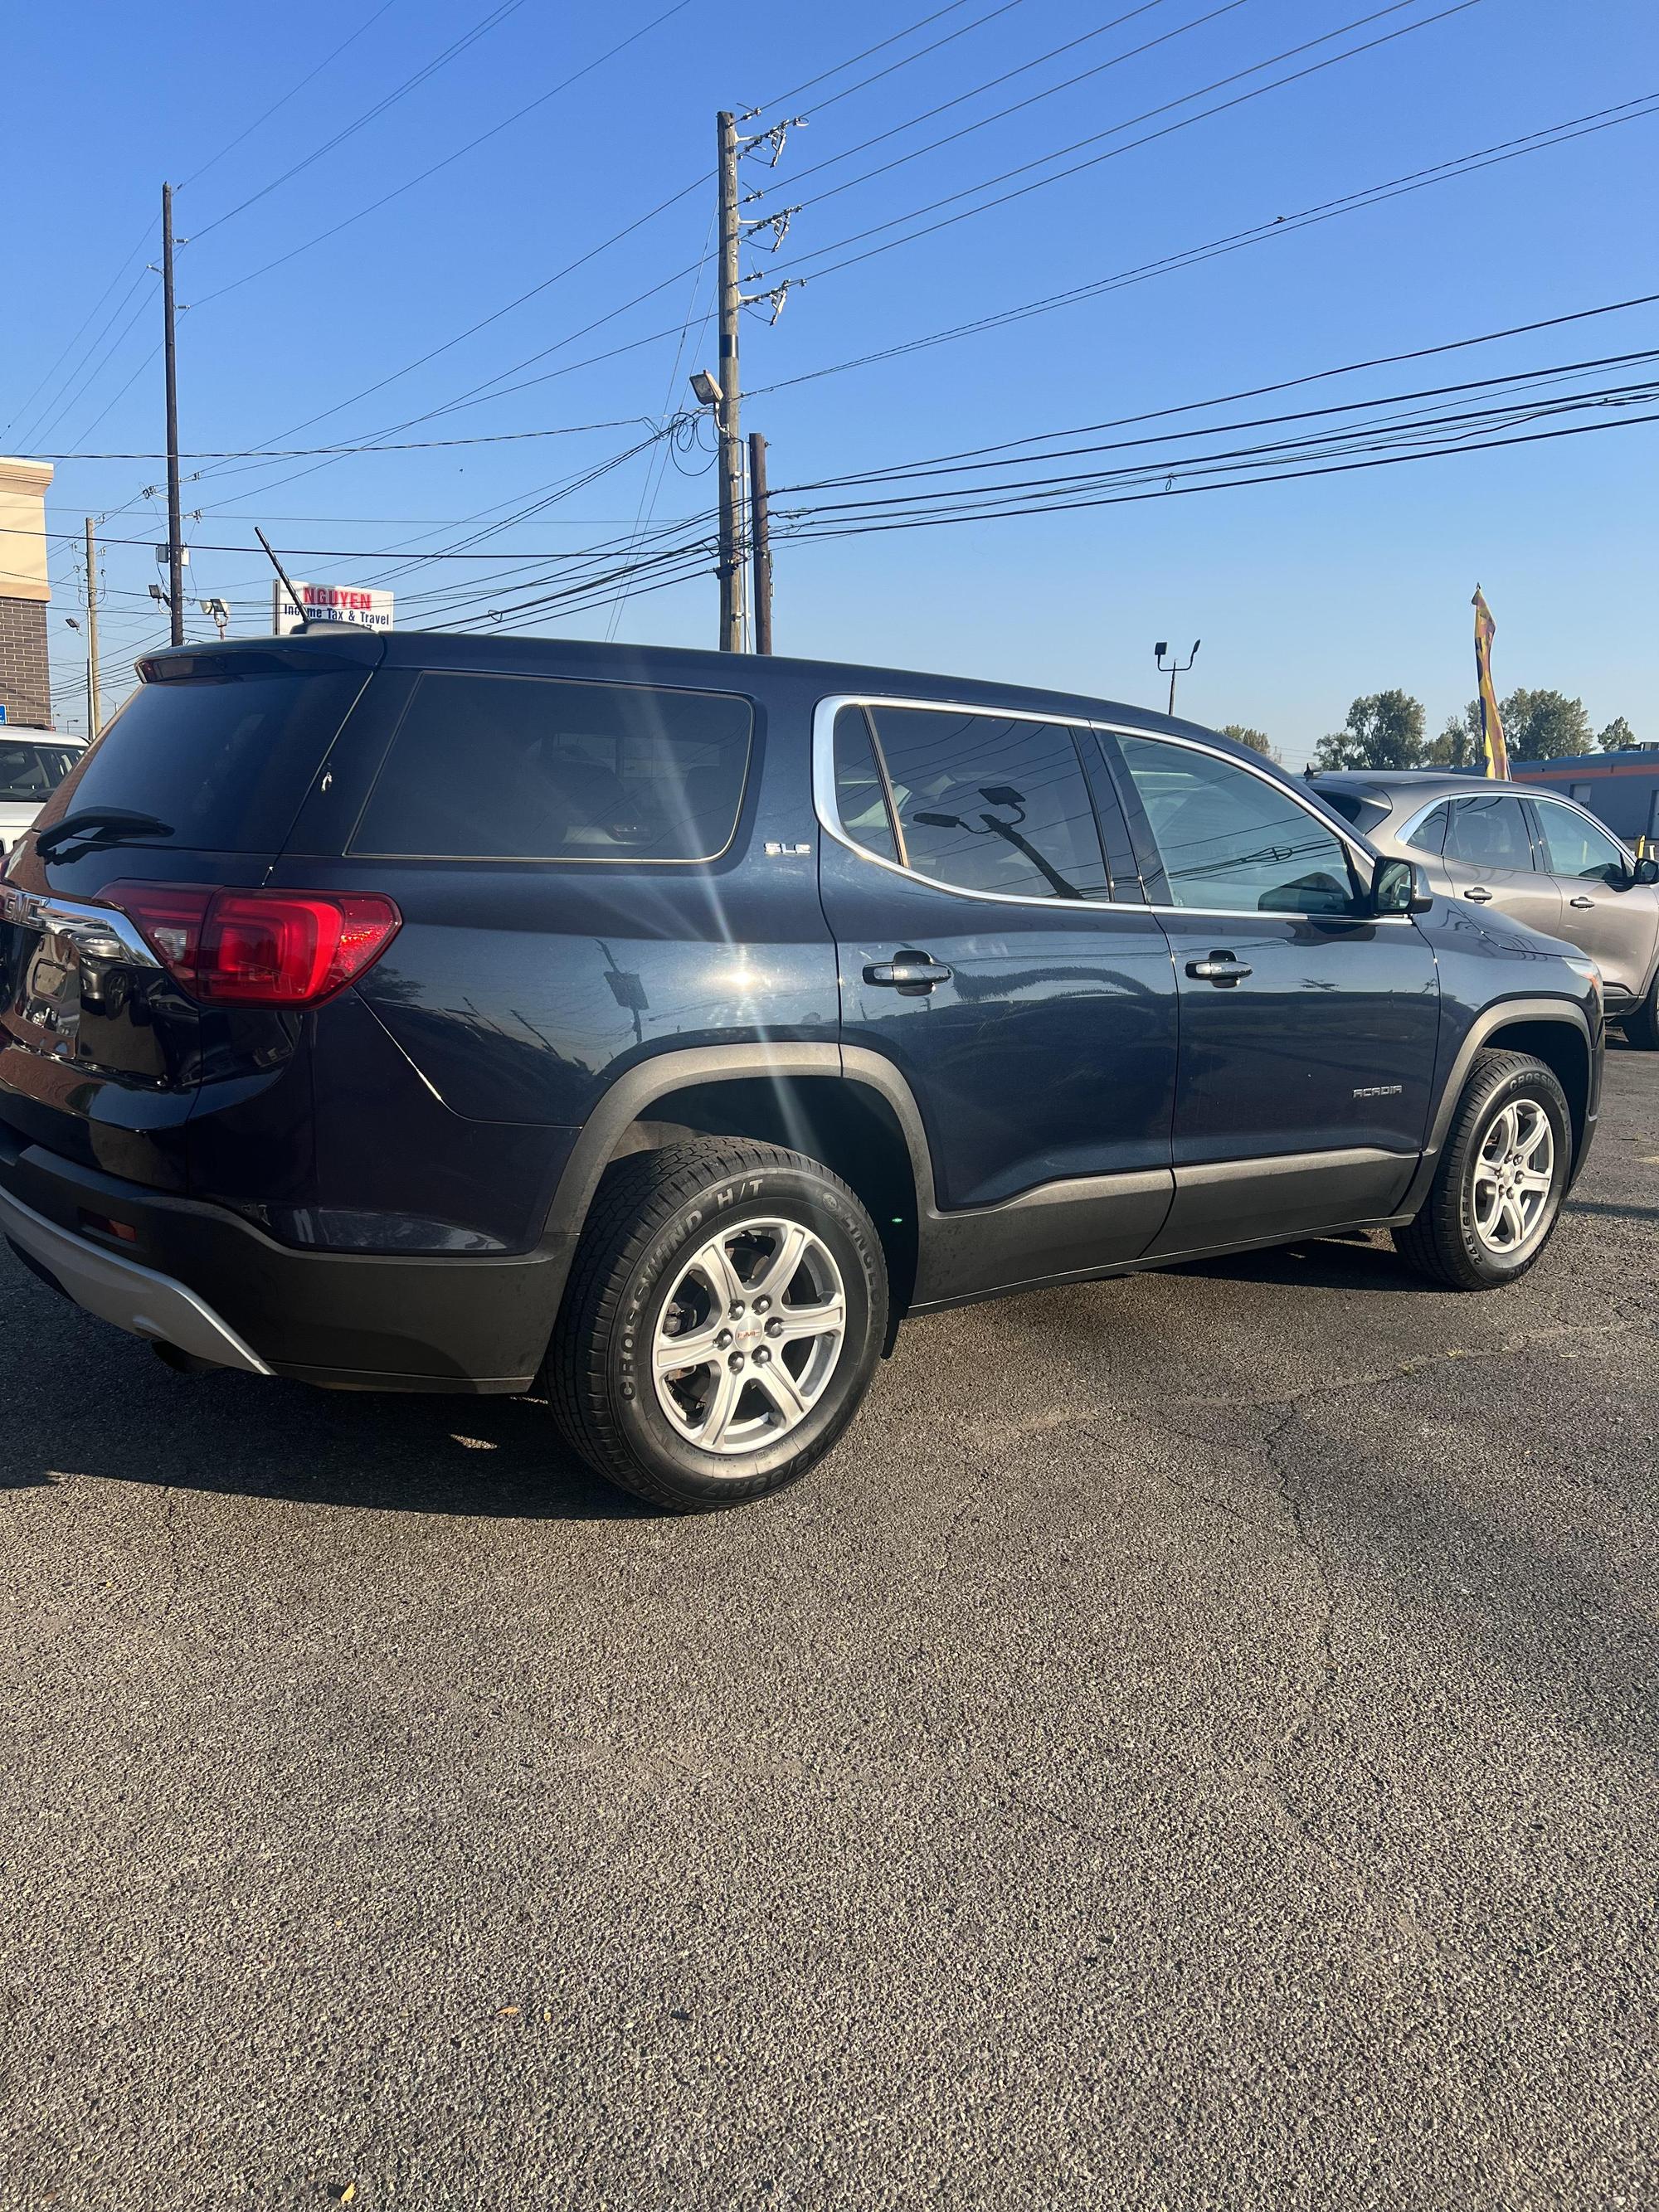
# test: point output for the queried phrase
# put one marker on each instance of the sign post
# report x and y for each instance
(354, 604)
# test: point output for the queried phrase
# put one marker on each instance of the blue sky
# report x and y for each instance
(1304, 594)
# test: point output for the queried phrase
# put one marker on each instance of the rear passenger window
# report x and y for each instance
(1490, 833)
(1235, 842)
(530, 768)
(988, 803)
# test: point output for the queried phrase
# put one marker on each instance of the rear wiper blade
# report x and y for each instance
(99, 825)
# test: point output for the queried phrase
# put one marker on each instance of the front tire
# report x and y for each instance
(1642, 1028)
(1496, 1193)
(722, 1323)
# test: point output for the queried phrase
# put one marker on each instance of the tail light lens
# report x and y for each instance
(236, 948)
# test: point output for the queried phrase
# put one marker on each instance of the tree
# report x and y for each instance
(1459, 745)
(1257, 740)
(1545, 726)
(1383, 730)
(1617, 736)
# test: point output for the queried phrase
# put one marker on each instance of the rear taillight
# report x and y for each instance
(234, 948)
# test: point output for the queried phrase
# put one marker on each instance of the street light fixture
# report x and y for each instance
(1177, 666)
(707, 388)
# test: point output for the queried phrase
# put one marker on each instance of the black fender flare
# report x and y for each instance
(1481, 1031)
(638, 1087)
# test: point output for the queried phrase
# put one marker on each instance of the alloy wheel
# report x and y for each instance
(1514, 1173)
(749, 1336)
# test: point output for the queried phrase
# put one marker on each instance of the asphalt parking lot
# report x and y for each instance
(1193, 1745)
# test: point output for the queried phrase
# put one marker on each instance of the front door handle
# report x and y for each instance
(913, 972)
(1478, 893)
(1220, 968)
(1581, 902)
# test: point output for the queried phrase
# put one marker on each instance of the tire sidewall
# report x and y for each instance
(725, 1204)
(1536, 1086)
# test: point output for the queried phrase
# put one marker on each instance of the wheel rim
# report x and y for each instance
(749, 1336)
(1514, 1174)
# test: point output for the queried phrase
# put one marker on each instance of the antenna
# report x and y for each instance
(298, 602)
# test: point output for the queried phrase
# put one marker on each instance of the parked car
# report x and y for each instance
(1536, 854)
(32, 763)
(437, 1013)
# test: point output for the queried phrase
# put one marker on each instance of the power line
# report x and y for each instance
(398, 191)
(24, 405)
(231, 144)
(47, 418)
(971, 458)
(1065, 85)
(311, 453)
(1161, 478)
(451, 53)
(938, 16)
(1257, 92)
(1540, 141)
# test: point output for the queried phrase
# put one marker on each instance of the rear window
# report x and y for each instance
(530, 768)
(224, 759)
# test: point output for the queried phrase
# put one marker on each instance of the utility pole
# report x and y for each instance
(760, 542)
(175, 526)
(93, 713)
(726, 408)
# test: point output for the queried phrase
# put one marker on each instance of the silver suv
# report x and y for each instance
(1543, 858)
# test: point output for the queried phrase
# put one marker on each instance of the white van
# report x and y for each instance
(32, 763)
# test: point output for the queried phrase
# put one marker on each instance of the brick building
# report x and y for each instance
(24, 674)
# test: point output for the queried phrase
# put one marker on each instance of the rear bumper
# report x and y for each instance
(201, 1278)
(118, 1290)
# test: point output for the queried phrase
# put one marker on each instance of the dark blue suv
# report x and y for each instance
(656, 1028)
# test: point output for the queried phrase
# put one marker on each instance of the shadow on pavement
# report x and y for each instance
(1349, 1262)
(107, 1408)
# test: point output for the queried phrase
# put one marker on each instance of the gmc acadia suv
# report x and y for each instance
(439, 1013)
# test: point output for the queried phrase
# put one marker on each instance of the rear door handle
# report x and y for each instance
(1581, 902)
(909, 971)
(1478, 893)
(1220, 968)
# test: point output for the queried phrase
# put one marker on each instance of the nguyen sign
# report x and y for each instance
(331, 603)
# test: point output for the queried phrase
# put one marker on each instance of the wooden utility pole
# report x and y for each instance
(175, 526)
(760, 542)
(95, 716)
(726, 408)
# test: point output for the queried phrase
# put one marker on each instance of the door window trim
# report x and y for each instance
(824, 805)
(829, 814)
(1361, 856)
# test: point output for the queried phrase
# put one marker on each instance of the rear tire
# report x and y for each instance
(1497, 1192)
(1642, 1028)
(723, 1320)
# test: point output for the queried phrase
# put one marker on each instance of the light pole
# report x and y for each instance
(1176, 668)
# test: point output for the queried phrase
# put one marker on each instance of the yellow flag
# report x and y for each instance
(1492, 727)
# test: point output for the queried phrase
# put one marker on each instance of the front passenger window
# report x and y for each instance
(1234, 842)
(1577, 848)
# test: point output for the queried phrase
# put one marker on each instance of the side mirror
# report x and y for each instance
(1400, 887)
(1644, 872)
